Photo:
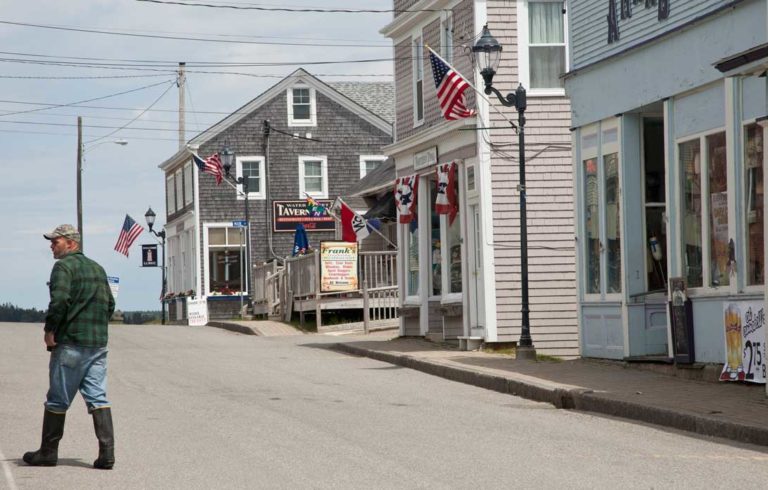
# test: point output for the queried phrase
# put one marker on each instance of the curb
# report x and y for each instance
(573, 398)
(233, 327)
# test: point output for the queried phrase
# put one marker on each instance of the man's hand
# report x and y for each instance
(49, 342)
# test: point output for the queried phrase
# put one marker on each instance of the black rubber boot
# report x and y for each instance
(53, 430)
(102, 424)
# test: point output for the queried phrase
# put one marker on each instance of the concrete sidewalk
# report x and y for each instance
(733, 411)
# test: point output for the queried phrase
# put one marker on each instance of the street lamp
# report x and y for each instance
(487, 52)
(81, 149)
(150, 217)
(227, 159)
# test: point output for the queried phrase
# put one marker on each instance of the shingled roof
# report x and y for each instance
(377, 97)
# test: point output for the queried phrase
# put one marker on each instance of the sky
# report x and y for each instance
(51, 64)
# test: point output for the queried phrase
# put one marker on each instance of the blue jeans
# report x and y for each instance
(74, 368)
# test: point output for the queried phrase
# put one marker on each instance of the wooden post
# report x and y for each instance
(366, 311)
(318, 309)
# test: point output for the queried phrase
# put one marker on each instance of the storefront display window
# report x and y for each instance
(592, 224)
(225, 259)
(690, 164)
(434, 235)
(412, 272)
(718, 213)
(753, 180)
(454, 246)
(612, 222)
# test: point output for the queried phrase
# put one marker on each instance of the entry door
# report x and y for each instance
(475, 282)
(655, 239)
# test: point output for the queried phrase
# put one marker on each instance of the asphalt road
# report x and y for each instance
(206, 408)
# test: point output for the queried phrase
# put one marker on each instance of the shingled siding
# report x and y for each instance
(401, 5)
(344, 137)
(404, 105)
(549, 179)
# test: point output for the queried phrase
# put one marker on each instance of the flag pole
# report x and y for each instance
(370, 227)
(481, 94)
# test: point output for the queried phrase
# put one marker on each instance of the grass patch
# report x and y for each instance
(544, 357)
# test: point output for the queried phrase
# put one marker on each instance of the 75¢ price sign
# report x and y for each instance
(743, 325)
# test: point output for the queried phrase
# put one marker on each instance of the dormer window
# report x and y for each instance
(301, 106)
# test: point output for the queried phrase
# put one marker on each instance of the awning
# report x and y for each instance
(384, 208)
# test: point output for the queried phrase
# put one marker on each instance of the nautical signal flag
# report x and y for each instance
(128, 234)
(353, 226)
(211, 165)
(450, 89)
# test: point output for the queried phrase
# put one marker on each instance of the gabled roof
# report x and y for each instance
(377, 97)
(302, 76)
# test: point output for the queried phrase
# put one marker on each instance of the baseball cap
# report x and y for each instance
(64, 231)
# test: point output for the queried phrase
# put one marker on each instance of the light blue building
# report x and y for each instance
(667, 98)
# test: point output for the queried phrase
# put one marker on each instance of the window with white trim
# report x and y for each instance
(302, 110)
(179, 177)
(251, 168)
(542, 38)
(226, 249)
(170, 194)
(188, 197)
(369, 163)
(418, 80)
(704, 182)
(754, 210)
(446, 36)
(313, 177)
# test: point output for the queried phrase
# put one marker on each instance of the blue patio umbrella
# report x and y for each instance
(300, 240)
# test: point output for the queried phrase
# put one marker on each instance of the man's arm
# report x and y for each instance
(60, 297)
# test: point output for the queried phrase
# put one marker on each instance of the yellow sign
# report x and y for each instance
(338, 266)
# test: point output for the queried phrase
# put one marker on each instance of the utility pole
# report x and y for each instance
(180, 82)
(80, 179)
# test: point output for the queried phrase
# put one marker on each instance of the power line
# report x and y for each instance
(70, 134)
(289, 9)
(93, 77)
(72, 104)
(135, 118)
(183, 38)
(166, 68)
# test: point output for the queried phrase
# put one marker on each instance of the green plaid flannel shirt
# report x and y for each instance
(81, 302)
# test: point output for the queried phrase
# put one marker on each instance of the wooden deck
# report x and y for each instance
(279, 291)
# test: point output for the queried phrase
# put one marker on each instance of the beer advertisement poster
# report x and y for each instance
(338, 266)
(743, 325)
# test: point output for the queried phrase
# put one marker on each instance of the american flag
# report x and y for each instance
(211, 165)
(450, 89)
(131, 230)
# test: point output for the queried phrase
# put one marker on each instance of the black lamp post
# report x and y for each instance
(227, 159)
(487, 55)
(150, 217)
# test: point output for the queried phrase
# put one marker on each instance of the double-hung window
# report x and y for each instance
(446, 36)
(369, 163)
(170, 194)
(251, 168)
(418, 80)
(542, 39)
(302, 109)
(313, 177)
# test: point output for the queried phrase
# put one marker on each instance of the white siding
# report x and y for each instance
(551, 251)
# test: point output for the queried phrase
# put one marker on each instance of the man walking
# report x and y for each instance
(76, 334)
